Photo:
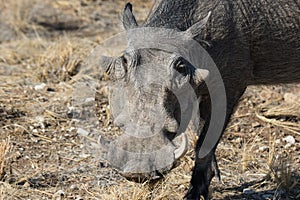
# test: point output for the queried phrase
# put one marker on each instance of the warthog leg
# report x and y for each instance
(206, 168)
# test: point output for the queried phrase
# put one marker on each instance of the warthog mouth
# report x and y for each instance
(145, 158)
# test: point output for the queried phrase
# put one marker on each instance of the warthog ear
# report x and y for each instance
(200, 75)
(196, 29)
(129, 20)
(113, 67)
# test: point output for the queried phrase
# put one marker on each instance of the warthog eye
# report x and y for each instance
(181, 66)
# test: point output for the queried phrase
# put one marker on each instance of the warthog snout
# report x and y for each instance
(151, 97)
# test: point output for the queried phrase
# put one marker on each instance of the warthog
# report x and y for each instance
(157, 81)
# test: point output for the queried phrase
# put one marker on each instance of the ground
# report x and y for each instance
(42, 46)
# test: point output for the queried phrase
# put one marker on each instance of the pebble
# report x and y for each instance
(40, 86)
(84, 155)
(277, 141)
(289, 139)
(71, 129)
(82, 132)
(73, 187)
(59, 194)
(90, 99)
(26, 185)
(247, 191)
(255, 124)
(263, 148)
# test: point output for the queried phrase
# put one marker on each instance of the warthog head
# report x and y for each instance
(151, 97)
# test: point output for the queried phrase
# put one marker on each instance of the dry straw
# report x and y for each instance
(4, 149)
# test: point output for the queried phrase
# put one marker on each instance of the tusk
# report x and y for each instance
(200, 75)
(178, 153)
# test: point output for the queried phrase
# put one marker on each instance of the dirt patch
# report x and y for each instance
(39, 60)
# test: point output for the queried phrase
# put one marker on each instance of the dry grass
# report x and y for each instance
(282, 173)
(290, 126)
(280, 168)
(4, 149)
(17, 14)
(50, 61)
(172, 186)
(62, 59)
(24, 52)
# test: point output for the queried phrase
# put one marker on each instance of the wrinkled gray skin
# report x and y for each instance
(252, 42)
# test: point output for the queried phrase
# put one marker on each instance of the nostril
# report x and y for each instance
(171, 125)
(170, 128)
(169, 135)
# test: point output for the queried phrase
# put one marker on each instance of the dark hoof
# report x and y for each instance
(194, 194)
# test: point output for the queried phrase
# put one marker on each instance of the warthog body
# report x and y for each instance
(251, 42)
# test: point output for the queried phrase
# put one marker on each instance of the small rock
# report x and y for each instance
(84, 155)
(89, 99)
(59, 194)
(40, 86)
(289, 139)
(277, 141)
(71, 129)
(255, 124)
(263, 148)
(26, 184)
(247, 191)
(82, 132)
(73, 187)
(21, 149)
